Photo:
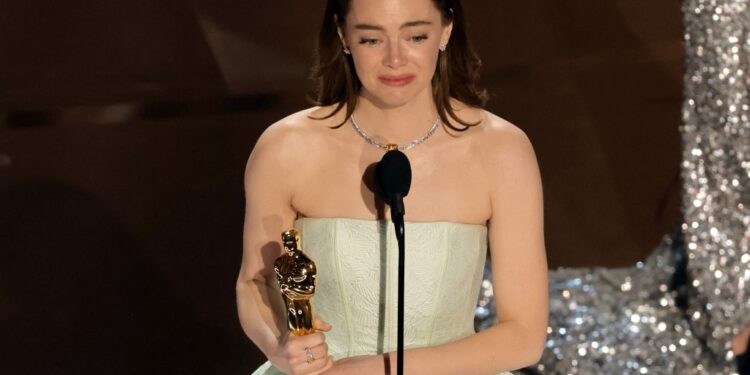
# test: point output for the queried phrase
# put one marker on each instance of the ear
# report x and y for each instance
(338, 29)
(446, 35)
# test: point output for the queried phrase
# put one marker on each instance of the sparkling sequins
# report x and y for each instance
(716, 169)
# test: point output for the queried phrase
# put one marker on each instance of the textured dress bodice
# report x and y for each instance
(357, 282)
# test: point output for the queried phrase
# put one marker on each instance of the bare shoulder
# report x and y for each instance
(297, 129)
(496, 130)
(291, 138)
(490, 128)
(502, 146)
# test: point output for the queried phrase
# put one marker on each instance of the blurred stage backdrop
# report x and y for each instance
(125, 127)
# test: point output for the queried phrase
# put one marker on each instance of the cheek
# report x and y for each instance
(367, 65)
(426, 61)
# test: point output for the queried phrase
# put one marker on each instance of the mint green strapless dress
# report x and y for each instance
(357, 283)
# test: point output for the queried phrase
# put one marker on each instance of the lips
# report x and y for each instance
(399, 80)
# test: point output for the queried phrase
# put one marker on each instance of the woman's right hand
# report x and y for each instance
(291, 356)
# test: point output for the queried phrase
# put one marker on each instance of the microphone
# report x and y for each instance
(393, 179)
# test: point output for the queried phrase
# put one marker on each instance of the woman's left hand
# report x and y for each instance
(363, 364)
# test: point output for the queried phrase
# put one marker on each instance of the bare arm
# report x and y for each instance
(516, 234)
(269, 178)
(519, 266)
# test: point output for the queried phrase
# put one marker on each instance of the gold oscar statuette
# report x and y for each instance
(295, 272)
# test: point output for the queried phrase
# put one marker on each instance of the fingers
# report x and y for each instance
(319, 351)
(293, 343)
(297, 343)
(297, 349)
(321, 325)
(328, 364)
(316, 366)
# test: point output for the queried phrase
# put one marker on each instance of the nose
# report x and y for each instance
(395, 57)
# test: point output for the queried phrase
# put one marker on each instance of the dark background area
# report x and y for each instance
(125, 127)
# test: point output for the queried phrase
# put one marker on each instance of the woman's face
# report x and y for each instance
(395, 46)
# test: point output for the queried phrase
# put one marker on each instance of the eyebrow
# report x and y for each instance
(366, 26)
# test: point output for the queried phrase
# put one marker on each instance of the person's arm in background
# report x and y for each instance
(739, 347)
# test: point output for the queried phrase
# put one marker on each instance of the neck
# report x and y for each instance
(400, 124)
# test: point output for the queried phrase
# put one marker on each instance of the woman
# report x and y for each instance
(396, 72)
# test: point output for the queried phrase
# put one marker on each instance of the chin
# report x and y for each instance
(393, 101)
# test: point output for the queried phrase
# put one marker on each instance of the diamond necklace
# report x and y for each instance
(393, 146)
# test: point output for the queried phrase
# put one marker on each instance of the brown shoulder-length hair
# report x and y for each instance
(335, 80)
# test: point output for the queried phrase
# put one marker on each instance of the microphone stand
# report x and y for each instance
(397, 216)
(393, 176)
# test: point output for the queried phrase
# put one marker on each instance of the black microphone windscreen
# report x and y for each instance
(393, 175)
